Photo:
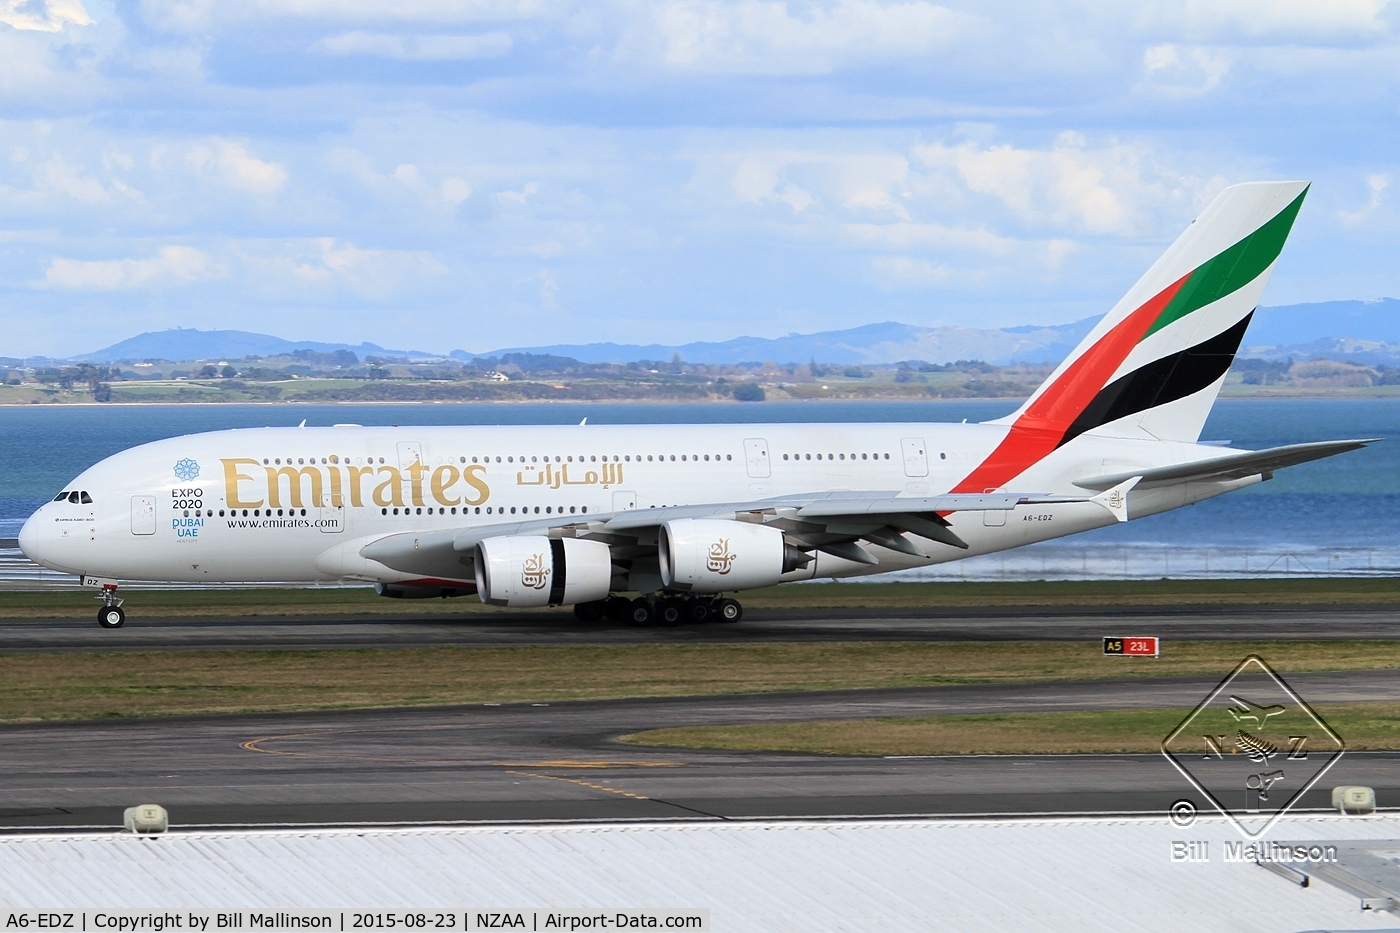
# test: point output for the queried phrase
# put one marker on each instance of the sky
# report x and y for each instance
(477, 174)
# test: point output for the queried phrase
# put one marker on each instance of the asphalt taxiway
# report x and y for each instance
(564, 761)
(434, 625)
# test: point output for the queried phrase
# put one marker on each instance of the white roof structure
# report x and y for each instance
(1043, 874)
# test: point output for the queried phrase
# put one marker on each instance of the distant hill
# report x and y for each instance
(1361, 331)
(875, 344)
(1358, 331)
(190, 344)
(1377, 320)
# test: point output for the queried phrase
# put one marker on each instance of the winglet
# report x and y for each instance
(1116, 499)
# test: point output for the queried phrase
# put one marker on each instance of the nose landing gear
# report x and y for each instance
(111, 614)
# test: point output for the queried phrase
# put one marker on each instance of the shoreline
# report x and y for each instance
(352, 403)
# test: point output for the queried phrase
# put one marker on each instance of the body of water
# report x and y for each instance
(1335, 516)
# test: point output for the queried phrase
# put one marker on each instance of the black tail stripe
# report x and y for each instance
(1165, 380)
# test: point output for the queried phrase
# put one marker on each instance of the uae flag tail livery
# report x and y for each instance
(1151, 369)
(657, 523)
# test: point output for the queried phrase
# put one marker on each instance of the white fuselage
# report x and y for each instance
(297, 504)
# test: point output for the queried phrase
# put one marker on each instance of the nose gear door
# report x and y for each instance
(143, 515)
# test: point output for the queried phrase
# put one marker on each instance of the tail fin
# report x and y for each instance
(1154, 365)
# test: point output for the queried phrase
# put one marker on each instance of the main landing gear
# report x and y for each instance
(661, 610)
(111, 614)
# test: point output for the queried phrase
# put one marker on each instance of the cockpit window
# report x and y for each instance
(73, 496)
(61, 496)
(86, 499)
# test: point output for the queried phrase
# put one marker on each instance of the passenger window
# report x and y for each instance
(86, 499)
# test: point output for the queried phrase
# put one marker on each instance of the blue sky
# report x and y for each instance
(478, 174)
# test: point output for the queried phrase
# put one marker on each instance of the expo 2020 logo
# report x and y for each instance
(186, 470)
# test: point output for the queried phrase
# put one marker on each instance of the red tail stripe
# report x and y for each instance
(1038, 431)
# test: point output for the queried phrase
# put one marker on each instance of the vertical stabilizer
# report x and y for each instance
(1154, 365)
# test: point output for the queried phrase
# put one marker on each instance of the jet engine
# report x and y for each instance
(528, 570)
(714, 555)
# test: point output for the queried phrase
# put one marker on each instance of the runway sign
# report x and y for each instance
(1141, 646)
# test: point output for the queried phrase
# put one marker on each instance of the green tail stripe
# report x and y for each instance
(1232, 269)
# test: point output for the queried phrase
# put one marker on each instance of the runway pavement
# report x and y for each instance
(436, 625)
(563, 761)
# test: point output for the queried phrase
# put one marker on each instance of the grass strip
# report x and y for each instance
(1363, 726)
(100, 684)
(254, 602)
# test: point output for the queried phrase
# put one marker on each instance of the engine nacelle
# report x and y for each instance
(713, 555)
(530, 570)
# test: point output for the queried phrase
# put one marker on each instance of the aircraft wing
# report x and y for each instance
(835, 522)
(1233, 466)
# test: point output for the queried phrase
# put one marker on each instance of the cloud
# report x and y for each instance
(1104, 190)
(172, 265)
(908, 272)
(755, 37)
(1308, 22)
(43, 15)
(232, 164)
(860, 182)
(329, 261)
(191, 16)
(454, 190)
(1184, 71)
(57, 175)
(521, 196)
(1376, 185)
(415, 48)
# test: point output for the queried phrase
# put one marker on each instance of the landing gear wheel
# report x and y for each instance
(670, 612)
(111, 617)
(728, 610)
(640, 612)
(701, 610)
(617, 609)
(590, 612)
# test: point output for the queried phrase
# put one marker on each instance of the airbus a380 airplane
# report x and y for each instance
(536, 516)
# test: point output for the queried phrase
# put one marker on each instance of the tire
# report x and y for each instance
(640, 613)
(670, 612)
(701, 610)
(617, 609)
(111, 617)
(590, 612)
(728, 610)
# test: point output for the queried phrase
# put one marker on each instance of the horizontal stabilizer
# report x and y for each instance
(1223, 469)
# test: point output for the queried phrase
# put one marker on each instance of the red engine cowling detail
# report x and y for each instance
(714, 555)
(527, 570)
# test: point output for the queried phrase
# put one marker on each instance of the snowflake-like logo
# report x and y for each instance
(186, 469)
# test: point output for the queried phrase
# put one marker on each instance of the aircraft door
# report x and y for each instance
(915, 456)
(410, 452)
(756, 454)
(331, 519)
(143, 515)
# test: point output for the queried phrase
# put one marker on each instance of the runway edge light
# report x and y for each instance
(1354, 799)
(146, 818)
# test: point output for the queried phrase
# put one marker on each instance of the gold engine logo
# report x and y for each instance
(535, 574)
(721, 559)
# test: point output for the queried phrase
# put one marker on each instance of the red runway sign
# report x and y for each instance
(1141, 646)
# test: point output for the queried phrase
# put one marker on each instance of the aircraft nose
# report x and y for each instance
(30, 539)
